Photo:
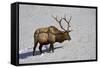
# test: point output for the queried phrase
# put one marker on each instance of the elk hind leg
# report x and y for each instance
(40, 48)
(51, 48)
(34, 48)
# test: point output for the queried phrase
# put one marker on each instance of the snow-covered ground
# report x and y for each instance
(62, 52)
(81, 47)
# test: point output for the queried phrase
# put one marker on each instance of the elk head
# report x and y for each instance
(65, 32)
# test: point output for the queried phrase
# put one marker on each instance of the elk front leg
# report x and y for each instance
(51, 48)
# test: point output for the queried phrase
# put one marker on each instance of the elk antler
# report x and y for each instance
(68, 22)
(59, 21)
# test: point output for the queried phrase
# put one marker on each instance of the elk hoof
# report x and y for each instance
(33, 54)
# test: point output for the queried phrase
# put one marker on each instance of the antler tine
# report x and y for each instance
(59, 21)
(55, 18)
(64, 18)
(67, 22)
(70, 18)
(60, 24)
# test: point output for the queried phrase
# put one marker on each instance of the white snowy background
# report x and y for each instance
(81, 47)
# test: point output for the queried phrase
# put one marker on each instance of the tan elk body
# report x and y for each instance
(50, 35)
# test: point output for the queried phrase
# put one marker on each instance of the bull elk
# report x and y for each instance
(50, 35)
